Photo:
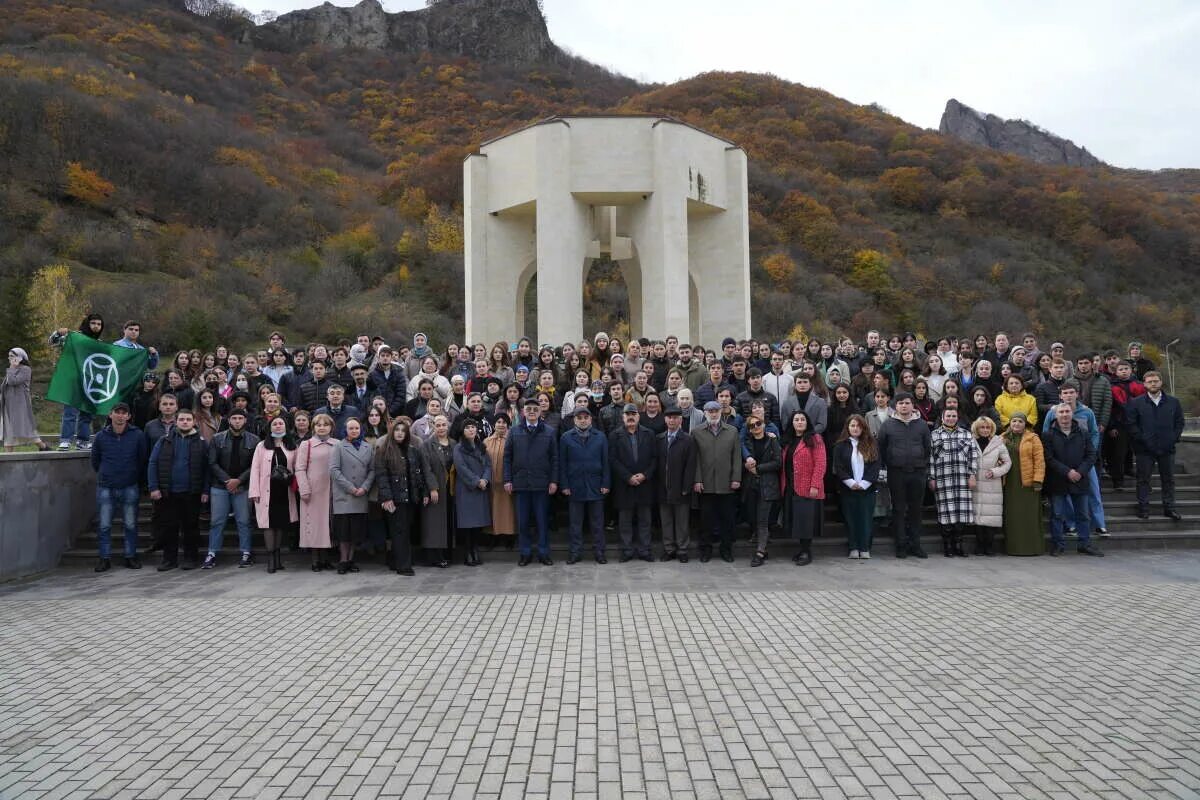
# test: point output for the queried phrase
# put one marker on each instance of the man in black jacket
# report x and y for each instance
(230, 454)
(1156, 423)
(178, 479)
(315, 390)
(904, 446)
(389, 381)
(1070, 456)
(631, 453)
(675, 473)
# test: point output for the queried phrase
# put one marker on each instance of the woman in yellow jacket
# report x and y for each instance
(1015, 399)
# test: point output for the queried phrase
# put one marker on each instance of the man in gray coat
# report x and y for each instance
(806, 400)
(718, 480)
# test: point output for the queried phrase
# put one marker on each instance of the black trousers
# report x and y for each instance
(398, 526)
(1146, 462)
(908, 491)
(717, 515)
(179, 518)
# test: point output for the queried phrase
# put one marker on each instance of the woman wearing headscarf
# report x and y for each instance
(1023, 530)
(420, 351)
(16, 403)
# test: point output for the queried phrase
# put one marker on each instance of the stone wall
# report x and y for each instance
(46, 500)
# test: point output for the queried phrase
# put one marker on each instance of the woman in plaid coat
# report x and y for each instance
(953, 464)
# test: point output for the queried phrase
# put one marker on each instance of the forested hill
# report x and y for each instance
(216, 189)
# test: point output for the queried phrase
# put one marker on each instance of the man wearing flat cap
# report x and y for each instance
(631, 453)
(718, 479)
(531, 470)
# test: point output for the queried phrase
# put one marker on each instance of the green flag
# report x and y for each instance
(94, 376)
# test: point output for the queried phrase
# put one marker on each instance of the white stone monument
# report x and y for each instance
(664, 200)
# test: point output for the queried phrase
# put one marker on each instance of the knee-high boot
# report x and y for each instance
(983, 540)
(947, 543)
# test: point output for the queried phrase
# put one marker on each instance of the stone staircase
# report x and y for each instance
(1127, 531)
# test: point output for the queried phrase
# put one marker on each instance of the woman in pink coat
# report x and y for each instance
(312, 474)
(271, 490)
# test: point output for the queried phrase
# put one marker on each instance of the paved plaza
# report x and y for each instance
(976, 678)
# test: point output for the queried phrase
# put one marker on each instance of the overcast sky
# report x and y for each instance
(1118, 78)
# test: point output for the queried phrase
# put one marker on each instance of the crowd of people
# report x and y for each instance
(404, 451)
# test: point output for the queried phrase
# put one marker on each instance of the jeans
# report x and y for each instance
(76, 425)
(593, 512)
(1068, 506)
(534, 504)
(106, 500)
(1095, 504)
(1166, 473)
(220, 501)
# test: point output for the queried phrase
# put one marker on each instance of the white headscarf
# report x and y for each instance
(20, 352)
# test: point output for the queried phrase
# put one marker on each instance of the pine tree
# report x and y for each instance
(16, 317)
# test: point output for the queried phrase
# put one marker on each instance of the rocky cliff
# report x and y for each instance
(508, 31)
(1012, 136)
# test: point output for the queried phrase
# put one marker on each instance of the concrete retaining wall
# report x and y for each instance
(46, 500)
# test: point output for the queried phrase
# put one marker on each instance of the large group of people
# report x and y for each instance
(430, 457)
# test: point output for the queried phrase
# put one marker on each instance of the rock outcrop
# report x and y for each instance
(508, 31)
(1012, 136)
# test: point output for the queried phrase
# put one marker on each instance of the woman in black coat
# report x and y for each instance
(760, 483)
(856, 467)
(400, 477)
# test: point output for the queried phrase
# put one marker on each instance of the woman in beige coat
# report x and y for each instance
(987, 498)
(312, 475)
(504, 517)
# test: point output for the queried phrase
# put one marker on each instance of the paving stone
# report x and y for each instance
(971, 679)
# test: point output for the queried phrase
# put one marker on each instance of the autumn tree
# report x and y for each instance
(86, 185)
(54, 300)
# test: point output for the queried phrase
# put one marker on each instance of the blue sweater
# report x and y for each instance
(118, 458)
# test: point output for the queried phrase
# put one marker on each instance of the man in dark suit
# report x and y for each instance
(1155, 420)
(531, 476)
(631, 452)
(676, 472)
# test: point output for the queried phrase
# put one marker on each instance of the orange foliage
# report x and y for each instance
(86, 185)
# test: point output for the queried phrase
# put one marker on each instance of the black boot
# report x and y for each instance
(804, 557)
(947, 545)
(958, 541)
(279, 560)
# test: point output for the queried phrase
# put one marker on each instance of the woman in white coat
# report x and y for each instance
(988, 496)
(429, 371)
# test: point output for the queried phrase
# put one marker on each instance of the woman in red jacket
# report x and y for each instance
(803, 483)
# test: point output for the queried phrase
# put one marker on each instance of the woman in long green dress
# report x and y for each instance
(1023, 532)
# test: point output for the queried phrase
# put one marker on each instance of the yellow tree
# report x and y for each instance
(54, 300)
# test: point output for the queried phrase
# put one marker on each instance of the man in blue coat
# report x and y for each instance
(118, 454)
(583, 466)
(531, 473)
(1156, 423)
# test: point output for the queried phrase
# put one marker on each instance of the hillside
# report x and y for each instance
(216, 188)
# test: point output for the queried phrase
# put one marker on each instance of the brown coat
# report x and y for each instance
(504, 517)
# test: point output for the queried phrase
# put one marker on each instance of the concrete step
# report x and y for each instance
(1182, 535)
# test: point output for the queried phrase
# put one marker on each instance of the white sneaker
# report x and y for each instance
(84, 446)
(854, 554)
(64, 445)
(864, 554)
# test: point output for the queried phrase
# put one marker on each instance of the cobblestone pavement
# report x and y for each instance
(148, 686)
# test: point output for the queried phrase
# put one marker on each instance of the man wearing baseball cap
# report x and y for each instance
(118, 454)
(584, 469)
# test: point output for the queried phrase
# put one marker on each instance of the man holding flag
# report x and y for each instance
(93, 376)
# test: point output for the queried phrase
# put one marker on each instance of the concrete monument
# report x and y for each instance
(664, 200)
